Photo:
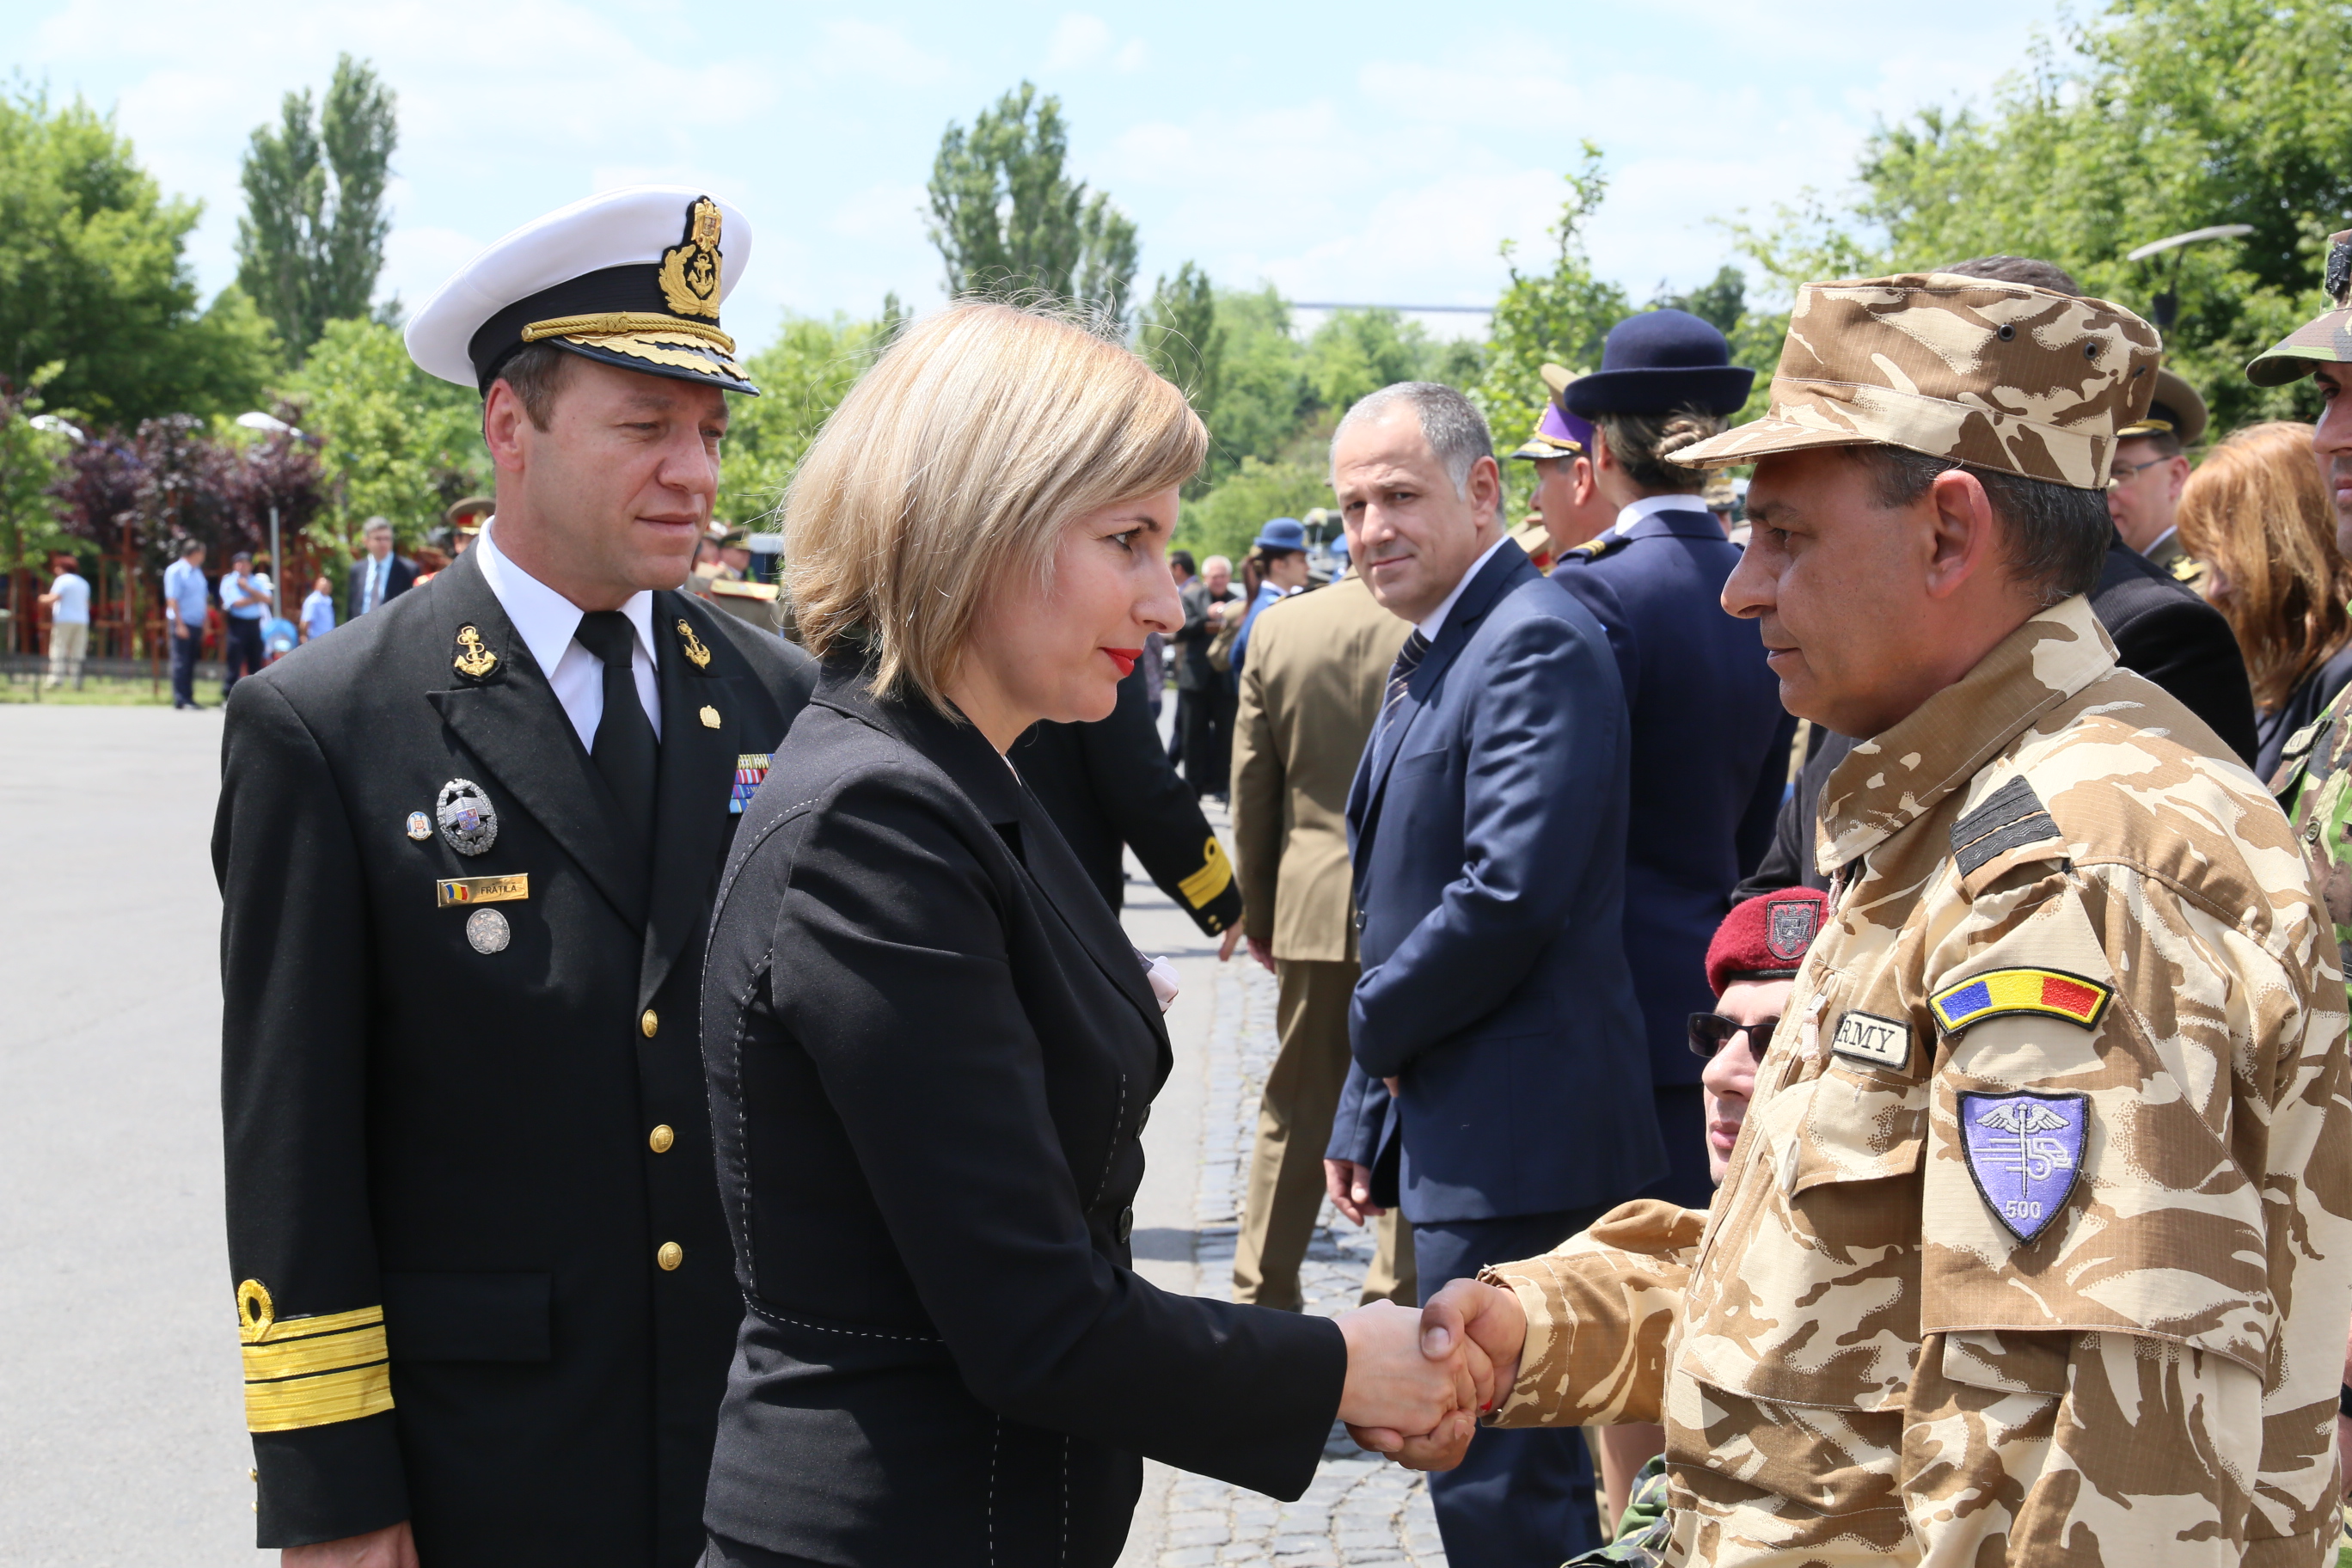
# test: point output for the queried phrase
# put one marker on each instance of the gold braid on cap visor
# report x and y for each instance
(632, 322)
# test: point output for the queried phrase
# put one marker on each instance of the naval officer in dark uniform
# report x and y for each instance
(467, 852)
(1710, 741)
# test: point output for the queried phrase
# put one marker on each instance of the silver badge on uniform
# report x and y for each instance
(1879, 1042)
(420, 826)
(469, 824)
(487, 930)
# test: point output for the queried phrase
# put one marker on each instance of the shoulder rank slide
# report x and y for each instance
(2011, 817)
(2045, 993)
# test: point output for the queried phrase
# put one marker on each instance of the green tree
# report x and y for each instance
(1009, 222)
(802, 376)
(92, 276)
(1559, 316)
(1224, 521)
(2153, 118)
(398, 444)
(311, 241)
(30, 456)
(1180, 335)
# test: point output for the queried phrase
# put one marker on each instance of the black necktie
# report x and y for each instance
(1408, 659)
(625, 751)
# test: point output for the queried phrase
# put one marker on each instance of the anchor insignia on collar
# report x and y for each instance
(472, 660)
(694, 648)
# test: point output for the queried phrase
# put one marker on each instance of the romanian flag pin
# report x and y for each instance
(2045, 993)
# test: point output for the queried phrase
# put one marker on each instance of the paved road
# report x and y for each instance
(123, 1445)
(124, 1441)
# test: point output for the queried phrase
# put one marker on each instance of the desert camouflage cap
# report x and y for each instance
(1998, 374)
(2325, 340)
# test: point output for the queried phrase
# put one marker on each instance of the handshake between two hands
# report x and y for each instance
(1418, 1382)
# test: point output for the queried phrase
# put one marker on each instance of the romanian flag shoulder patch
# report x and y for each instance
(2004, 993)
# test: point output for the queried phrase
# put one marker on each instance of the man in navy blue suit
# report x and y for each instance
(1497, 1044)
(1709, 739)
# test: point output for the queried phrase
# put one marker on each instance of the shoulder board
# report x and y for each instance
(729, 589)
(2187, 569)
(2011, 817)
(1593, 549)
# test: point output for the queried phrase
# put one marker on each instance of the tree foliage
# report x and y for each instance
(396, 443)
(2153, 118)
(311, 241)
(92, 278)
(1009, 222)
(31, 516)
(802, 376)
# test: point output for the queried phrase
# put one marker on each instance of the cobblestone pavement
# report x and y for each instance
(1360, 1510)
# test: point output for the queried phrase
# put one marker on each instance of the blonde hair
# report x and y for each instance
(953, 467)
(2256, 512)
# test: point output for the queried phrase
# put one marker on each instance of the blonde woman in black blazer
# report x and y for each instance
(931, 1048)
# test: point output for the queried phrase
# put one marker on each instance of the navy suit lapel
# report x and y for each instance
(1502, 569)
(697, 773)
(510, 718)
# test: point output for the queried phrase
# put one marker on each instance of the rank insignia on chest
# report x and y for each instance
(2024, 1152)
(2006, 993)
(750, 773)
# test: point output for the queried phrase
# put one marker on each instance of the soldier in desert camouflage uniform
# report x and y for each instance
(2035, 1244)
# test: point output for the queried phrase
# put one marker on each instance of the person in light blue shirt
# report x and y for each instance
(68, 602)
(1279, 552)
(187, 599)
(245, 595)
(319, 609)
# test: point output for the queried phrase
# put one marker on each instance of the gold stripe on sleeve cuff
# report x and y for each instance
(1215, 875)
(318, 1401)
(308, 1372)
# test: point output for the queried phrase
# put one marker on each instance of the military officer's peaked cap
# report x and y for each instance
(632, 277)
(2326, 339)
(2177, 411)
(2004, 375)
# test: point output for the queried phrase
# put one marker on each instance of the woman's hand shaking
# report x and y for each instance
(1412, 1392)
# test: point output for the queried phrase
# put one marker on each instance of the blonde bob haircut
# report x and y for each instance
(952, 468)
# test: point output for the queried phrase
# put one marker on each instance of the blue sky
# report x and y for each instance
(1374, 153)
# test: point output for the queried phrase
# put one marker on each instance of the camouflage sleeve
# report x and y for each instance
(1601, 1309)
(2138, 1213)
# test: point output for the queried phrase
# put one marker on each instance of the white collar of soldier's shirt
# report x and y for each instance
(1436, 622)
(1634, 512)
(543, 618)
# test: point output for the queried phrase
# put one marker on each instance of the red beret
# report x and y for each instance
(1766, 937)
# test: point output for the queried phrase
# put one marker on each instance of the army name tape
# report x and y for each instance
(2007, 993)
(450, 891)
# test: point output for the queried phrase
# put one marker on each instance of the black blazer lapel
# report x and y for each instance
(697, 773)
(1080, 907)
(510, 718)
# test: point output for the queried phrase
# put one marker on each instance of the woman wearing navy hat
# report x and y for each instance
(1279, 553)
(1709, 734)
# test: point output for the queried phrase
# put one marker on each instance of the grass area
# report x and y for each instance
(99, 692)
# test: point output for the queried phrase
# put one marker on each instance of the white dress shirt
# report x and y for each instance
(546, 620)
(1436, 622)
(1634, 512)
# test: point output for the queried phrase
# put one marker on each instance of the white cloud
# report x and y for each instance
(1078, 41)
(880, 51)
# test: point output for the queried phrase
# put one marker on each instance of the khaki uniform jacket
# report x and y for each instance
(2034, 1245)
(1310, 692)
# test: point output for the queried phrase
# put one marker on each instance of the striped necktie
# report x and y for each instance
(1408, 659)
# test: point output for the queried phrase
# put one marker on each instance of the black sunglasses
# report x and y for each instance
(1710, 1032)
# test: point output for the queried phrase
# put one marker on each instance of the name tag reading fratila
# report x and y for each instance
(450, 891)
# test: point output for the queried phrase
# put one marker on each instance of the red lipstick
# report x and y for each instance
(1124, 657)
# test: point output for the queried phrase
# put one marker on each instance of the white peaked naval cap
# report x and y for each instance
(632, 277)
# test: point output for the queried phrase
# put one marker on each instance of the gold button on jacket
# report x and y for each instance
(649, 1023)
(660, 1139)
(670, 1255)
